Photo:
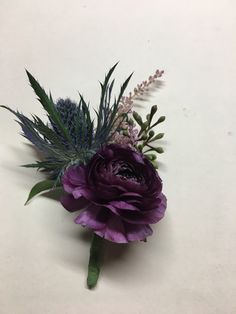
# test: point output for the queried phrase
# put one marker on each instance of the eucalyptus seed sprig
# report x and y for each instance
(147, 135)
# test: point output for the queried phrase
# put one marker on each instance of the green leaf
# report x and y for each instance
(48, 105)
(137, 118)
(157, 137)
(155, 164)
(159, 150)
(123, 88)
(160, 120)
(40, 187)
(94, 261)
(117, 102)
(107, 113)
(103, 94)
(31, 132)
(151, 157)
(152, 113)
(47, 132)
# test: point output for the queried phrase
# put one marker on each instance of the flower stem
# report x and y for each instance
(94, 261)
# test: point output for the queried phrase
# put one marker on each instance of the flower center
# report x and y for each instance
(125, 171)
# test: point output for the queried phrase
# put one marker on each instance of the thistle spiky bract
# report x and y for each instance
(70, 136)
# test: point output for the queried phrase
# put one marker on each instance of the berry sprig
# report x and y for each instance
(147, 136)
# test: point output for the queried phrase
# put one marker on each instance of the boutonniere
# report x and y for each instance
(106, 166)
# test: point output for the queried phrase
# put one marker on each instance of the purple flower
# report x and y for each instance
(120, 191)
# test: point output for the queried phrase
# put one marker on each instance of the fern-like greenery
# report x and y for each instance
(70, 136)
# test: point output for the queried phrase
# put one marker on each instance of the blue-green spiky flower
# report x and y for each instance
(70, 135)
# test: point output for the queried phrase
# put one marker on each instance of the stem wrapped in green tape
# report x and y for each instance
(94, 261)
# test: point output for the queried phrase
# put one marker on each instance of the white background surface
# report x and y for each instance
(189, 265)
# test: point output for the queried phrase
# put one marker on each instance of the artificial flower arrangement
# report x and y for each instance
(107, 167)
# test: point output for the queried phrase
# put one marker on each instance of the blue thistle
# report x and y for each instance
(68, 112)
(69, 136)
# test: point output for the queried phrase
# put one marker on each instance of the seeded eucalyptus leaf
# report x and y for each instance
(157, 137)
(41, 187)
(155, 164)
(144, 137)
(159, 150)
(137, 118)
(151, 157)
(153, 110)
(143, 127)
(160, 120)
(151, 114)
(140, 147)
(151, 134)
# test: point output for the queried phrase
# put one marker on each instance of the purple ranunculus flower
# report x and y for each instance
(120, 191)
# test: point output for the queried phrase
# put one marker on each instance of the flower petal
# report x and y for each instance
(138, 158)
(146, 217)
(74, 177)
(77, 175)
(93, 217)
(124, 205)
(137, 232)
(114, 230)
(76, 193)
(131, 194)
(72, 204)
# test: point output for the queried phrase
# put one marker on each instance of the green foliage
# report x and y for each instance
(70, 137)
(48, 105)
(107, 113)
(41, 187)
(147, 135)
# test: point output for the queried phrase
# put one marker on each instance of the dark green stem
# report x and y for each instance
(94, 261)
